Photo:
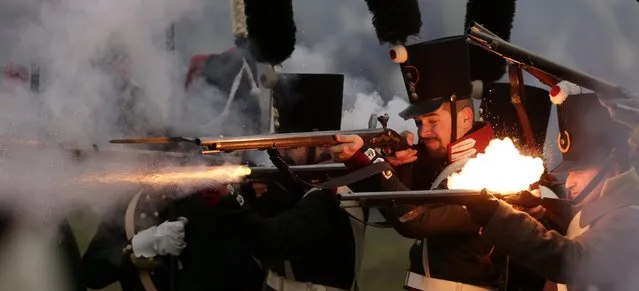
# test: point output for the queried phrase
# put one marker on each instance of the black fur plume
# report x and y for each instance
(496, 16)
(271, 29)
(395, 20)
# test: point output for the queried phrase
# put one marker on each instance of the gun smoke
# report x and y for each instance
(90, 54)
(77, 105)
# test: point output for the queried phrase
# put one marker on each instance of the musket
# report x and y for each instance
(557, 210)
(548, 72)
(415, 197)
(310, 173)
(384, 138)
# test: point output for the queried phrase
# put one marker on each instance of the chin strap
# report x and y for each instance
(598, 179)
(453, 118)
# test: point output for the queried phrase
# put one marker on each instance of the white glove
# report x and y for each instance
(167, 238)
(462, 150)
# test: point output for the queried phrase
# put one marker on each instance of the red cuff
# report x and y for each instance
(213, 195)
(357, 161)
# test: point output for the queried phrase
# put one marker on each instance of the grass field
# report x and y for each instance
(384, 263)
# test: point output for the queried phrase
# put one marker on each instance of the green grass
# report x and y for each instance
(385, 260)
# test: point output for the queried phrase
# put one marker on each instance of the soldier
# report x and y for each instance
(449, 250)
(133, 247)
(144, 246)
(239, 104)
(312, 243)
(598, 252)
(135, 111)
(438, 82)
(322, 94)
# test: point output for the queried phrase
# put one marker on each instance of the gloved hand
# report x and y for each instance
(462, 150)
(483, 208)
(165, 239)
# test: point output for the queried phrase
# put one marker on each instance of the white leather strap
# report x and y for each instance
(288, 270)
(280, 283)
(129, 227)
(233, 92)
(449, 170)
(425, 262)
(419, 282)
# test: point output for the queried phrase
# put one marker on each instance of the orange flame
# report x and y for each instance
(186, 176)
(501, 169)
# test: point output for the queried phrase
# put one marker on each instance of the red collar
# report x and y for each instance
(195, 67)
(482, 133)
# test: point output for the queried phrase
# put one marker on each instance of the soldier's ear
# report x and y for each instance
(467, 115)
(467, 119)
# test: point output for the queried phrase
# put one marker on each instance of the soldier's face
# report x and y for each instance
(577, 181)
(434, 131)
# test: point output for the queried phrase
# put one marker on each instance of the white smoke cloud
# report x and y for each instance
(72, 41)
(366, 105)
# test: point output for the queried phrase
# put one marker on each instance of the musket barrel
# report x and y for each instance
(479, 37)
(295, 140)
(385, 139)
(268, 142)
(371, 199)
(303, 168)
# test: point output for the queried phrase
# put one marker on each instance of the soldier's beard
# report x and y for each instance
(434, 146)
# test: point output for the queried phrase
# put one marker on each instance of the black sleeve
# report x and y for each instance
(290, 234)
(103, 262)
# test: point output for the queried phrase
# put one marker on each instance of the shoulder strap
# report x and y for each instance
(449, 170)
(129, 228)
